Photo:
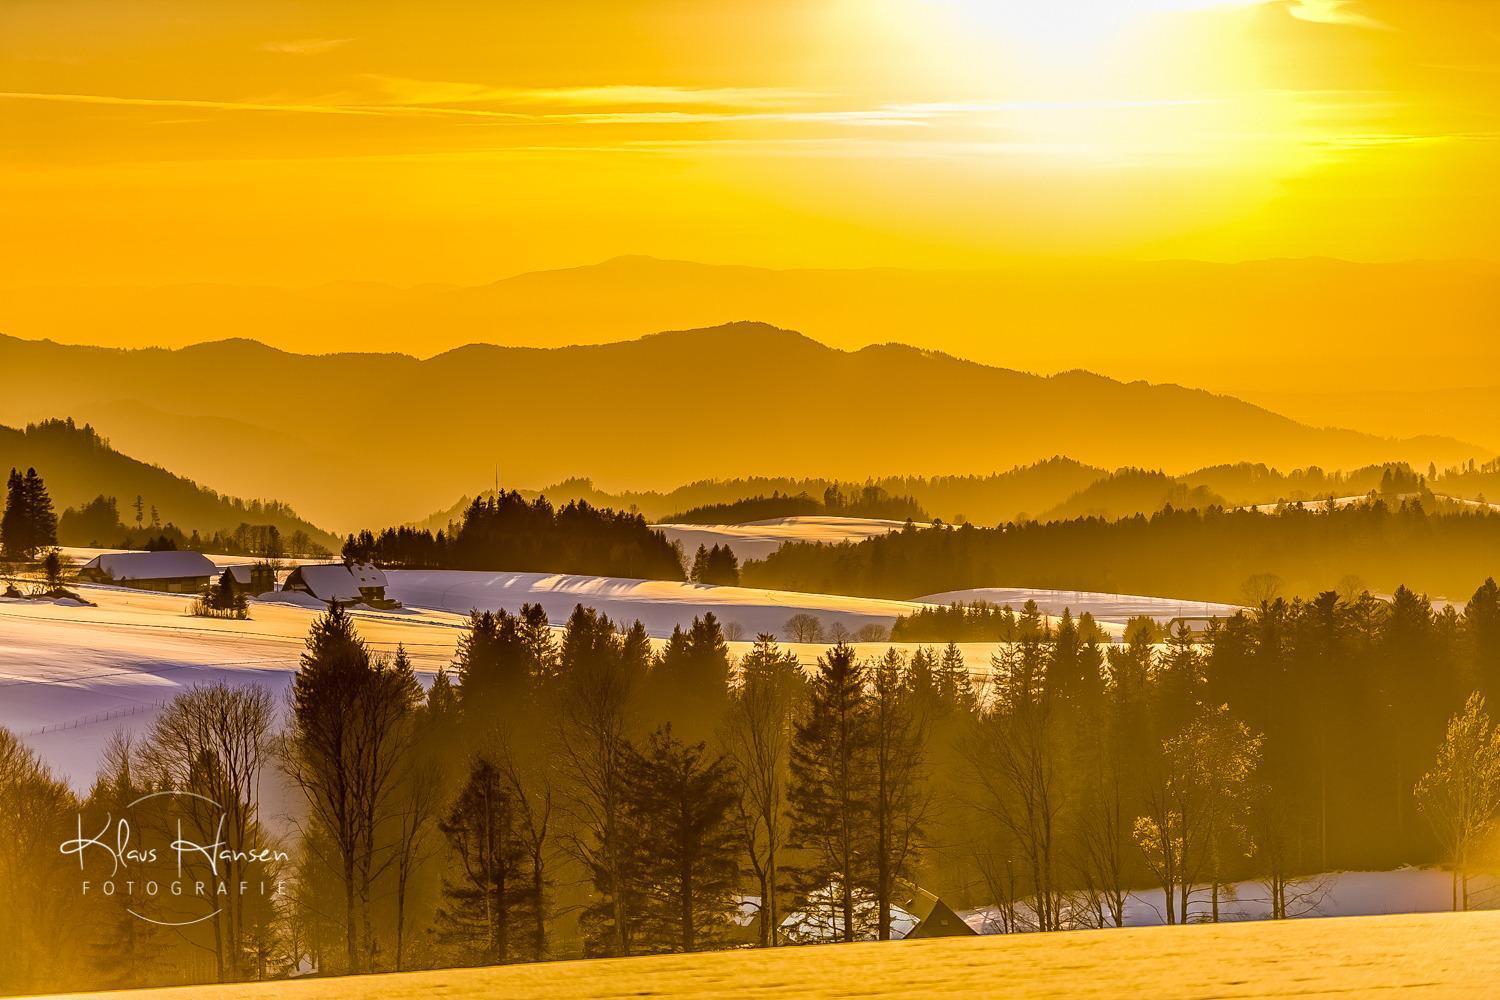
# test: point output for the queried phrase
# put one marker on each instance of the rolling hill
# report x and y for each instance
(79, 465)
(360, 439)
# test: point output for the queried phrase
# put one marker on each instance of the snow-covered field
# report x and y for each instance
(758, 539)
(70, 675)
(658, 604)
(1114, 609)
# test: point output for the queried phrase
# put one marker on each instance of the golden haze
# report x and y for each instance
(296, 143)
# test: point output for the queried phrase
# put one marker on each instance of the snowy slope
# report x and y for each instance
(70, 676)
(758, 539)
(658, 604)
(1106, 608)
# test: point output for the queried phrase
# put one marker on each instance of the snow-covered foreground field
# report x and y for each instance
(1116, 609)
(758, 539)
(1429, 955)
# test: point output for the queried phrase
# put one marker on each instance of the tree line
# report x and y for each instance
(869, 500)
(98, 524)
(1239, 556)
(585, 790)
(507, 532)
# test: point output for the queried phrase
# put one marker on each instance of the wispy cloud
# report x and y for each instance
(407, 91)
(305, 46)
(1334, 12)
(174, 102)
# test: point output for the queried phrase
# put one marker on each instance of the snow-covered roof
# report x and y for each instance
(367, 575)
(152, 565)
(337, 582)
(246, 574)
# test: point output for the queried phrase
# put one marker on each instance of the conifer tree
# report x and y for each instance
(484, 905)
(679, 802)
(832, 792)
(29, 523)
(900, 801)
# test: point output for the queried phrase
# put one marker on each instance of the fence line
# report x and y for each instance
(97, 717)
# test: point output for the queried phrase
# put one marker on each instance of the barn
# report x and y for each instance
(170, 572)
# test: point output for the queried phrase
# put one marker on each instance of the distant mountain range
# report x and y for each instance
(1306, 325)
(79, 465)
(354, 440)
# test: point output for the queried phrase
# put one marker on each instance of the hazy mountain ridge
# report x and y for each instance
(1305, 324)
(364, 439)
(78, 465)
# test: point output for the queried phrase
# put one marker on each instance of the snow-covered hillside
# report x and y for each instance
(658, 604)
(70, 675)
(1116, 609)
(758, 539)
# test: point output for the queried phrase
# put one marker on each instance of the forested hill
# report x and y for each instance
(667, 408)
(1053, 490)
(79, 465)
(1238, 556)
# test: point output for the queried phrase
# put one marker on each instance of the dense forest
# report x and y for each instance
(590, 792)
(506, 531)
(1238, 556)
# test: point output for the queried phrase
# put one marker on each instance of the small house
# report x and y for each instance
(251, 580)
(169, 572)
(337, 583)
(934, 918)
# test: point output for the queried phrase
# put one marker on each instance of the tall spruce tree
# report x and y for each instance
(683, 841)
(833, 792)
(484, 905)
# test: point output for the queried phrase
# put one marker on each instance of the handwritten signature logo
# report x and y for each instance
(116, 840)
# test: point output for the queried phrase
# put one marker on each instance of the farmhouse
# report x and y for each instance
(258, 578)
(336, 583)
(172, 572)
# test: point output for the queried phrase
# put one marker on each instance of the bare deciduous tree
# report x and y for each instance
(1460, 795)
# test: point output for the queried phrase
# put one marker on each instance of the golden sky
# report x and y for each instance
(158, 141)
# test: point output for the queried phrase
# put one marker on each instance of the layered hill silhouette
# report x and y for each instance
(359, 439)
(1314, 325)
(78, 465)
